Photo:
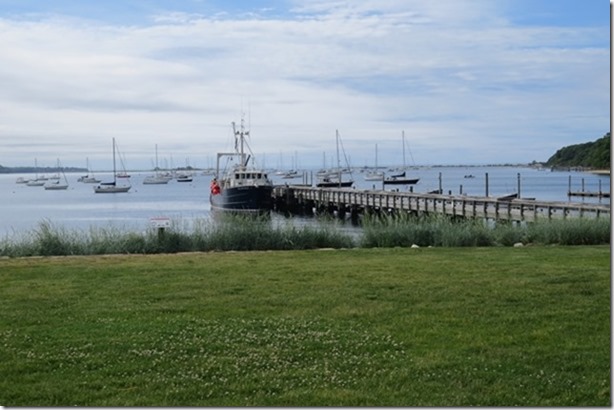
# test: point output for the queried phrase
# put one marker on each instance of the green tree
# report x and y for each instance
(594, 154)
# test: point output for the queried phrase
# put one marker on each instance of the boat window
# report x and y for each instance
(236, 176)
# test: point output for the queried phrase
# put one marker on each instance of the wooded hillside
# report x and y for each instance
(594, 154)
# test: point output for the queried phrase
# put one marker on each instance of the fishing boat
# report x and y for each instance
(243, 188)
(401, 178)
(335, 179)
(112, 187)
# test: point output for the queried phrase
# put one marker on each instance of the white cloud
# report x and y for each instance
(450, 73)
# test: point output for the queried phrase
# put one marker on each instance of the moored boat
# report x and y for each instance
(374, 175)
(401, 179)
(333, 182)
(38, 180)
(54, 184)
(184, 178)
(112, 187)
(158, 178)
(334, 179)
(243, 188)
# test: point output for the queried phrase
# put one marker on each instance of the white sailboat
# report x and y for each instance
(55, 184)
(374, 175)
(334, 179)
(158, 178)
(89, 178)
(112, 187)
(37, 181)
(402, 178)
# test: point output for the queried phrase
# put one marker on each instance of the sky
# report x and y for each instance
(466, 81)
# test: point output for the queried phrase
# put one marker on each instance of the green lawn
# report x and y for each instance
(363, 327)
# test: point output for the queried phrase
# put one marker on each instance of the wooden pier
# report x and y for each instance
(347, 201)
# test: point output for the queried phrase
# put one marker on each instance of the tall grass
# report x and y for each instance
(232, 233)
(438, 230)
(408, 230)
(248, 233)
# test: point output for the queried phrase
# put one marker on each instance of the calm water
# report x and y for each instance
(22, 208)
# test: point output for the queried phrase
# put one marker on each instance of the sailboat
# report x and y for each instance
(37, 181)
(334, 179)
(89, 178)
(401, 179)
(244, 188)
(56, 185)
(374, 175)
(112, 187)
(158, 178)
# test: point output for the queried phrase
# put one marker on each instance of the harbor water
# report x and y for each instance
(23, 208)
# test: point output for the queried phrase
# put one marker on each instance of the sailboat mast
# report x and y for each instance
(114, 177)
(337, 141)
(157, 167)
(403, 137)
(338, 160)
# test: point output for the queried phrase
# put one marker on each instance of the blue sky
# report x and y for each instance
(469, 81)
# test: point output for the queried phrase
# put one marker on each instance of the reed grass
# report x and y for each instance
(248, 233)
(233, 233)
(438, 230)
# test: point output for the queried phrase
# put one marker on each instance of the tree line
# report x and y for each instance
(594, 154)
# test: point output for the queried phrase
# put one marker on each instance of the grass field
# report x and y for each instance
(362, 327)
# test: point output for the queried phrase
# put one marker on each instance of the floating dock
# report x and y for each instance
(589, 194)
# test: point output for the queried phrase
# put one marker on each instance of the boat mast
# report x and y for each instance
(241, 135)
(338, 161)
(403, 137)
(157, 167)
(114, 176)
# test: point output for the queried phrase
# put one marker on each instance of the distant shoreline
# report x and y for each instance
(44, 170)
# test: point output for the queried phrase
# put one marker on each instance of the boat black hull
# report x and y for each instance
(244, 199)
(401, 181)
(344, 184)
